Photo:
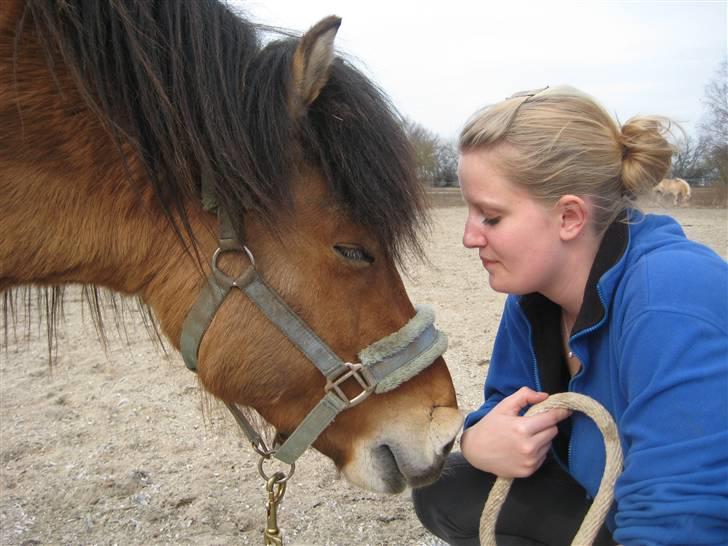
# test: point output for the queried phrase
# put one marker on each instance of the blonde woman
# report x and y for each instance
(605, 301)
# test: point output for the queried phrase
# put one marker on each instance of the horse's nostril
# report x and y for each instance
(448, 447)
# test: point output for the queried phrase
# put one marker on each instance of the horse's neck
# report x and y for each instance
(58, 226)
(71, 211)
(92, 228)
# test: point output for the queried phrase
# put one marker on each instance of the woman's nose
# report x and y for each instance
(472, 236)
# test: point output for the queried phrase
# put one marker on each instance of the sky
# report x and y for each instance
(441, 61)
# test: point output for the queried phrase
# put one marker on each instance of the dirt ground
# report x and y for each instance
(114, 448)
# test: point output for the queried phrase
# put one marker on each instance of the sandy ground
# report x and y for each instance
(114, 448)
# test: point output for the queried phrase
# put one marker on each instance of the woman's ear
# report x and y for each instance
(574, 215)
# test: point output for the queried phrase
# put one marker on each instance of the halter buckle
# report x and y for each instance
(361, 374)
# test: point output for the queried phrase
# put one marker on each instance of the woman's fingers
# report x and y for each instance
(513, 404)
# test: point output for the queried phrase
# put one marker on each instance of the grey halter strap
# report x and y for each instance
(383, 365)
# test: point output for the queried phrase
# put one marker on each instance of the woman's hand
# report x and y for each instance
(507, 444)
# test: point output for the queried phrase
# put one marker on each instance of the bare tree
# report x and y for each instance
(436, 158)
(446, 155)
(688, 162)
(424, 143)
(713, 130)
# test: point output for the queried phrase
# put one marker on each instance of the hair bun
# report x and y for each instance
(646, 152)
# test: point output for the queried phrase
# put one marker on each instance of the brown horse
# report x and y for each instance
(117, 117)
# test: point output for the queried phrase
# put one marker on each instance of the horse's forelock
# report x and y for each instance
(357, 138)
(351, 133)
(187, 84)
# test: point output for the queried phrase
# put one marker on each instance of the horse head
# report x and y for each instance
(301, 153)
(340, 276)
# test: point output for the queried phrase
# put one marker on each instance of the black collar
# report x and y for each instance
(613, 246)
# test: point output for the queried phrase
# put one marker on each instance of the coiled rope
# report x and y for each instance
(597, 513)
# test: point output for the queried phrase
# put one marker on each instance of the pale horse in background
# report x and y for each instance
(676, 187)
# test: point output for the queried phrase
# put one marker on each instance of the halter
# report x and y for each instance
(382, 366)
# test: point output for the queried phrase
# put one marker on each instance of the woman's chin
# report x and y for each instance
(494, 283)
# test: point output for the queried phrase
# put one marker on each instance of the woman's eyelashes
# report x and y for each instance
(490, 220)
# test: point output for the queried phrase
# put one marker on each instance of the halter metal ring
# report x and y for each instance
(230, 246)
(266, 477)
(362, 375)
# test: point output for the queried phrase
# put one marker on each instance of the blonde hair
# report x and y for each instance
(557, 141)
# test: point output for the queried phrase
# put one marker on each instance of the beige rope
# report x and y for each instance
(613, 466)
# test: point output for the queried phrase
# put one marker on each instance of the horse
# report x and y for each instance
(159, 149)
(676, 187)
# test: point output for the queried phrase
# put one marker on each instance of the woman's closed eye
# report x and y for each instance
(490, 220)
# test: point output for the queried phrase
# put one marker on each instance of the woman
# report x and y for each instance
(604, 301)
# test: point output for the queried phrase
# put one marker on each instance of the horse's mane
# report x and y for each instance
(188, 85)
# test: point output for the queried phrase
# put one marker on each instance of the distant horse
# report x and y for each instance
(675, 187)
(119, 118)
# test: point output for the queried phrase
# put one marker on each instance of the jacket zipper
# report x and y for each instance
(579, 334)
(534, 363)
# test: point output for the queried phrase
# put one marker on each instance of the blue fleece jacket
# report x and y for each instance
(652, 337)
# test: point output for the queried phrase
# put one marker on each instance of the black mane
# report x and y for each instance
(187, 83)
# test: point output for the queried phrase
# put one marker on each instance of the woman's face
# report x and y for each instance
(518, 238)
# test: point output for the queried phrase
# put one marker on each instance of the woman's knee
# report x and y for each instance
(450, 507)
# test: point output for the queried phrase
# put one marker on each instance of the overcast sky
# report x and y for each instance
(440, 61)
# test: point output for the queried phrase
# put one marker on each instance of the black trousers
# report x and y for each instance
(546, 508)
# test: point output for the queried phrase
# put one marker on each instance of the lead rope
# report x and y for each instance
(597, 513)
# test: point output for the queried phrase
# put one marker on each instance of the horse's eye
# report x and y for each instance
(353, 253)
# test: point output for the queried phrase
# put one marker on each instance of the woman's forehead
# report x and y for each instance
(483, 182)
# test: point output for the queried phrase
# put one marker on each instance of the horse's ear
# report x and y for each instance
(312, 61)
